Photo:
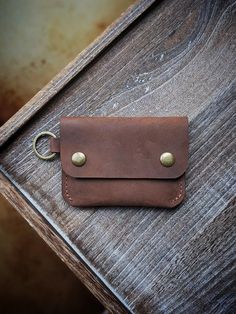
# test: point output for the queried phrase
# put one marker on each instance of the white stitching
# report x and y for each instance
(67, 192)
(180, 193)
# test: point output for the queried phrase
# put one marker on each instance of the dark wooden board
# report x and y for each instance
(72, 69)
(178, 58)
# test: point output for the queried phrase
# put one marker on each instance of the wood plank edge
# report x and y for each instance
(89, 277)
(72, 69)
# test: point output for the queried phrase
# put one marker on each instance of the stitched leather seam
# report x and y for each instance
(180, 193)
(67, 192)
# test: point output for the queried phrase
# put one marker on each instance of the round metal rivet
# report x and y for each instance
(78, 159)
(167, 159)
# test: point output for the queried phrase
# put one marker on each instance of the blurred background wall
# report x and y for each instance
(37, 39)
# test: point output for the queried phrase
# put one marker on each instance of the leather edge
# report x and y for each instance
(170, 203)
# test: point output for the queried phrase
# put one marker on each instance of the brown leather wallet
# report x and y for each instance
(116, 161)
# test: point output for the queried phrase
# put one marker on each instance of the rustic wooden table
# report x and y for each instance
(160, 58)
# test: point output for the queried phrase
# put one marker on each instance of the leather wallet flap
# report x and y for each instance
(124, 147)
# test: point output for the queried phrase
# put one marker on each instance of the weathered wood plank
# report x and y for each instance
(48, 231)
(72, 69)
(173, 60)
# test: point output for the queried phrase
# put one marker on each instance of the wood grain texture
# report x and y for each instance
(177, 59)
(72, 69)
(48, 231)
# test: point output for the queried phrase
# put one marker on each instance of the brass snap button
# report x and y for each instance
(78, 159)
(37, 137)
(167, 159)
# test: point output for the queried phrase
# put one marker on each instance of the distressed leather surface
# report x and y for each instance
(123, 160)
